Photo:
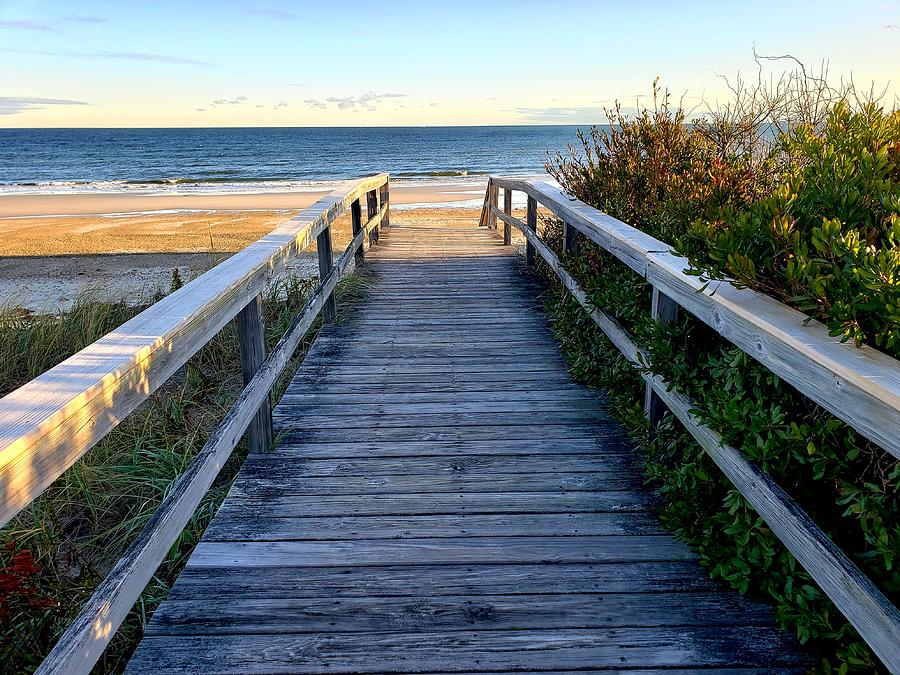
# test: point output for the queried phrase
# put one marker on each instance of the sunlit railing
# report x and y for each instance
(49, 423)
(861, 386)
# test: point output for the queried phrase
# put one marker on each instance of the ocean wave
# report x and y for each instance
(238, 185)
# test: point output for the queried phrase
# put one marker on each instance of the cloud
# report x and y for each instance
(315, 104)
(49, 26)
(240, 100)
(40, 26)
(280, 104)
(561, 114)
(123, 56)
(273, 13)
(342, 103)
(11, 105)
(81, 18)
(370, 100)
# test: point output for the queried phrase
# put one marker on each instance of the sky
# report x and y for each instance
(198, 63)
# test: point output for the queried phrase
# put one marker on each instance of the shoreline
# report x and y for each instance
(47, 263)
(43, 205)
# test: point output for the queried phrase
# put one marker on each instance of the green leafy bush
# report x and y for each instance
(808, 215)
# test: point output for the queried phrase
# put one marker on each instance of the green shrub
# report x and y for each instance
(826, 240)
(834, 175)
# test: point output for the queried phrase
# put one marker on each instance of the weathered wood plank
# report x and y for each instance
(412, 503)
(442, 489)
(759, 646)
(272, 615)
(347, 581)
(251, 528)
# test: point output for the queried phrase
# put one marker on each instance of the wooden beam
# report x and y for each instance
(531, 224)
(252, 337)
(507, 209)
(49, 423)
(371, 211)
(356, 224)
(663, 310)
(326, 263)
(385, 200)
(570, 238)
(494, 195)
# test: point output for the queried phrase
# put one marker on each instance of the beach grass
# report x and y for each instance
(56, 551)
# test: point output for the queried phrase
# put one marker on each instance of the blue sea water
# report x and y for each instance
(264, 159)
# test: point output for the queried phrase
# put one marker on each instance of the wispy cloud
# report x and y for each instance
(120, 56)
(560, 114)
(314, 103)
(369, 101)
(81, 18)
(280, 104)
(239, 100)
(39, 26)
(11, 105)
(273, 13)
(52, 26)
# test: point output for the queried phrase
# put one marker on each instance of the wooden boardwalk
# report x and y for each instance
(444, 498)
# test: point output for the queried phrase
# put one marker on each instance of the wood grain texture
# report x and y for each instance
(444, 498)
(252, 337)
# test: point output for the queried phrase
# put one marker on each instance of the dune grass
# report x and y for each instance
(56, 551)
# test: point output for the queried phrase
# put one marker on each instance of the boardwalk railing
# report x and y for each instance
(861, 386)
(50, 422)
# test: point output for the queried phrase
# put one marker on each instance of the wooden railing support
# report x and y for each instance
(507, 209)
(570, 238)
(326, 263)
(371, 211)
(385, 202)
(531, 223)
(252, 338)
(356, 220)
(663, 310)
(494, 200)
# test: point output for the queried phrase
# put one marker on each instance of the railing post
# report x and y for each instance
(663, 310)
(385, 195)
(356, 219)
(326, 264)
(531, 222)
(494, 202)
(507, 209)
(570, 238)
(371, 211)
(252, 338)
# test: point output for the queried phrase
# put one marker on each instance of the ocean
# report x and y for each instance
(264, 159)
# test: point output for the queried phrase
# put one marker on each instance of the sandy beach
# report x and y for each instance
(46, 262)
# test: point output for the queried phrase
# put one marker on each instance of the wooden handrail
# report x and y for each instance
(854, 594)
(858, 385)
(86, 638)
(50, 422)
